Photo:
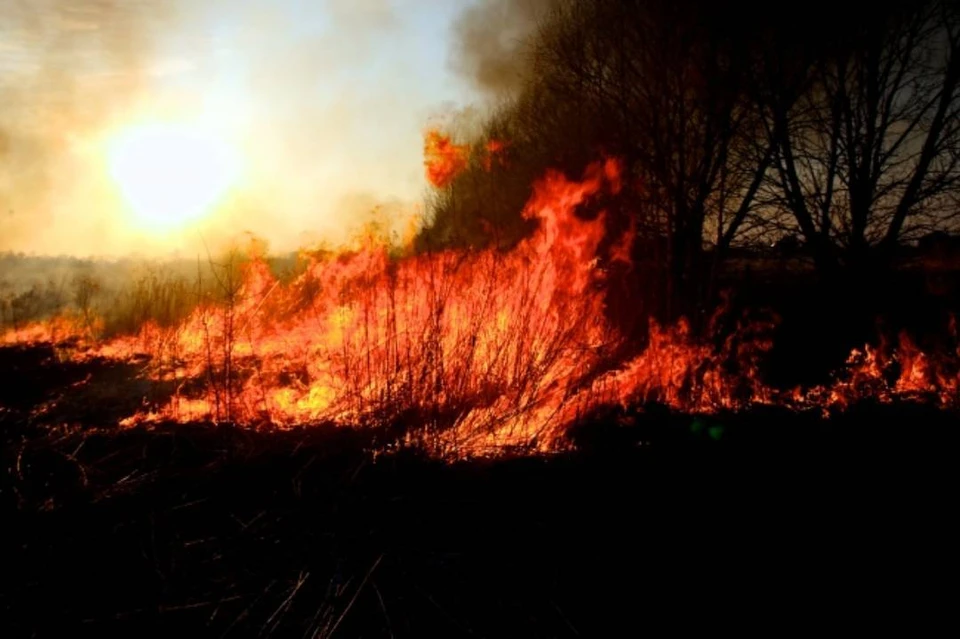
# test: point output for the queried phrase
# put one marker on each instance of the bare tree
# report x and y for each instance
(666, 81)
(866, 132)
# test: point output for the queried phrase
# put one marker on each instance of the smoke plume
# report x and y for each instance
(66, 68)
(489, 38)
(327, 102)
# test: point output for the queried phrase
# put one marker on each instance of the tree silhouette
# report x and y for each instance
(733, 126)
(660, 86)
(866, 130)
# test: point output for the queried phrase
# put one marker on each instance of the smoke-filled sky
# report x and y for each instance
(320, 105)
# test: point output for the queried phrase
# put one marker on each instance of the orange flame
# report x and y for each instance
(467, 352)
(482, 349)
(443, 159)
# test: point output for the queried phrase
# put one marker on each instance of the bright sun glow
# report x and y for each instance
(171, 174)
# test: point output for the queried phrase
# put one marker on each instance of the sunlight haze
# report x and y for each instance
(153, 127)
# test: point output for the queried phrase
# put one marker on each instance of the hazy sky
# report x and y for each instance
(324, 102)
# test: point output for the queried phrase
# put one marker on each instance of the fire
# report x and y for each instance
(444, 160)
(480, 349)
(171, 173)
(467, 352)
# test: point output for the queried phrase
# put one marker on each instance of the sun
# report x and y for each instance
(171, 173)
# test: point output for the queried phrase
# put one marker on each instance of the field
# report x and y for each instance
(650, 515)
(472, 444)
(657, 332)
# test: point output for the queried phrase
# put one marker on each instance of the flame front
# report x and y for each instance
(467, 351)
(477, 349)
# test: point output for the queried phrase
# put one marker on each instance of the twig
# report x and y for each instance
(564, 618)
(383, 607)
(354, 598)
(246, 611)
(301, 579)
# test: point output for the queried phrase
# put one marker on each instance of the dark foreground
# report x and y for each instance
(769, 521)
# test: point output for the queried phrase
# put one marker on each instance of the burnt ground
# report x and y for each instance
(763, 521)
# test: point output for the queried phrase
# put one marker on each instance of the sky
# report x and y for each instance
(321, 104)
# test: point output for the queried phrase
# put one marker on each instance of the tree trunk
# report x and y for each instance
(685, 271)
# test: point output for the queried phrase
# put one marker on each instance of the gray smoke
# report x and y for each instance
(489, 41)
(325, 99)
(66, 67)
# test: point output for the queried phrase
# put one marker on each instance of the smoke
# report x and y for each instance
(489, 39)
(66, 67)
(326, 103)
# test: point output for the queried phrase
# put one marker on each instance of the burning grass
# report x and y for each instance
(460, 352)
(213, 529)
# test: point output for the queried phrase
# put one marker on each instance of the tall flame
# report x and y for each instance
(468, 351)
